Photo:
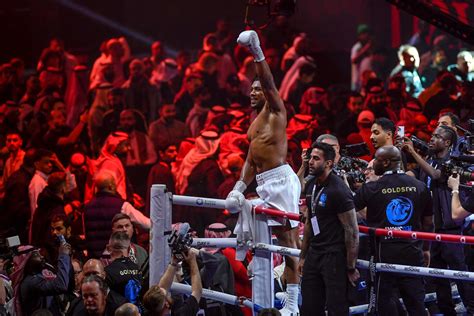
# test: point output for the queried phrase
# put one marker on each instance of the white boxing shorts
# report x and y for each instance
(279, 188)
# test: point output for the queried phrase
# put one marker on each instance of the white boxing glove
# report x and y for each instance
(250, 40)
(235, 201)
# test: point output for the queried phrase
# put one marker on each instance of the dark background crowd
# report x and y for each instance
(84, 135)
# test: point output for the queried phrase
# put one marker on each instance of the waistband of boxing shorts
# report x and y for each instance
(275, 173)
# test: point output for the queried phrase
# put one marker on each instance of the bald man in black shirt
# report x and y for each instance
(399, 202)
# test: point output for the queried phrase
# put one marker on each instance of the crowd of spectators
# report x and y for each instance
(81, 144)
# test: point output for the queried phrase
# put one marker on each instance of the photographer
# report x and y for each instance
(157, 299)
(443, 255)
(460, 210)
(452, 120)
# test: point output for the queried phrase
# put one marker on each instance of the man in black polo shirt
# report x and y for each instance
(443, 255)
(399, 202)
(330, 243)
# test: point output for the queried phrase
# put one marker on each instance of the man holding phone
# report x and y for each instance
(383, 134)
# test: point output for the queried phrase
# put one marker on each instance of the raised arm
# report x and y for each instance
(167, 278)
(302, 169)
(425, 166)
(250, 40)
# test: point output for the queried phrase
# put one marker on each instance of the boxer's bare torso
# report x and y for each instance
(268, 141)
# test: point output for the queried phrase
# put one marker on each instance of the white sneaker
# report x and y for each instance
(290, 307)
(286, 311)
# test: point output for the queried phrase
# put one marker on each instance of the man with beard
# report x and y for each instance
(33, 290)
(443, 255)
(111, 158)
(142, 151)
(139, 93)
(278, 185)
(399, 202)
(330, 242)
(167, 129)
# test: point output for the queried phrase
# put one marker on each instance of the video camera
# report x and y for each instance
(8, 250)
(468, 147)
(351, 165)
(470, 136)
(419, 144)
(459, 165)
(180, 241)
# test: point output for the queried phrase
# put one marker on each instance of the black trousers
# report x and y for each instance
(411, 289)
(450, 256)
(390, 286)
(324, 284)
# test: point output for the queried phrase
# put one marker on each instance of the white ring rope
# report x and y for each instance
(213, 295)
(380, 267)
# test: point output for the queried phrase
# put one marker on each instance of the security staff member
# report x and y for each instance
(397, 201)
(330, 242)
(443, 255)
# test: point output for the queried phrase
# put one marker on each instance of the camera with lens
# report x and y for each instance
(180, 241)
(459, 165)
(470, 138)
(351, 165)
(419, 144)
(9, 249)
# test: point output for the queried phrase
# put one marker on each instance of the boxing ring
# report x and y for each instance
(262, 281)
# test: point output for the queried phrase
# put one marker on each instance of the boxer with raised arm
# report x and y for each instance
(278, 185)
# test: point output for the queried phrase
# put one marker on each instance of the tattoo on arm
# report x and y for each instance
(306, 237)
(351, 235)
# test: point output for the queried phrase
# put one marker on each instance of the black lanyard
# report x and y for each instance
(315, 200)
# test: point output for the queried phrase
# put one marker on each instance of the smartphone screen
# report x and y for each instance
(401, 131)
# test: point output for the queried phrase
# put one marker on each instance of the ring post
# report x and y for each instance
(262, 265)
(160, 216)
